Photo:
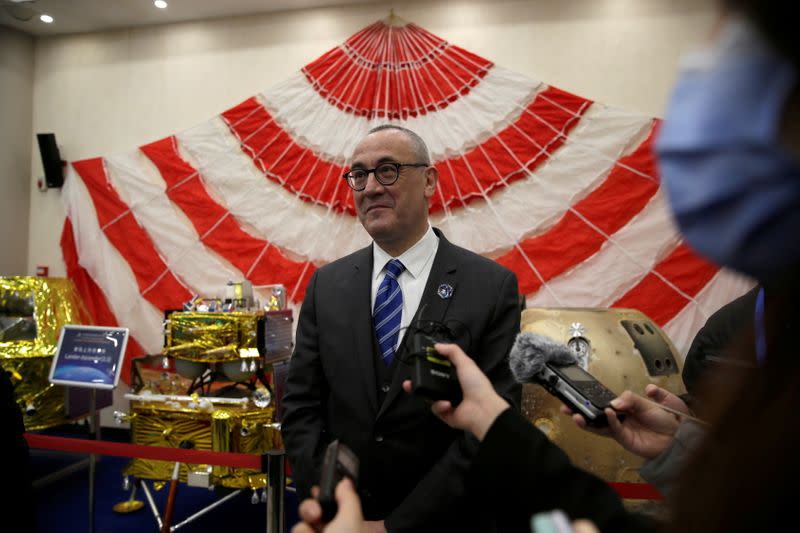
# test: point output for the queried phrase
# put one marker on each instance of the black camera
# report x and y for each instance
(339, 462)
(434, 377)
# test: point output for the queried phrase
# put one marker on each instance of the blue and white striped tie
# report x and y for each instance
(388, 310)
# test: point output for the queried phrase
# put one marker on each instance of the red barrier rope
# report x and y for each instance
(159, 453)
(633, 491)
(637, 491)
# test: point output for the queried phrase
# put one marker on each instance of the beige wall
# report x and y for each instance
(107, 92)
(16, 142)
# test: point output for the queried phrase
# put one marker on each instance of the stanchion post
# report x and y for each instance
(276, 484)
(95, 429)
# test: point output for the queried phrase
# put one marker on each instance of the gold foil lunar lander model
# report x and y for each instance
(623, 349)
(214, 387)
(32, 312)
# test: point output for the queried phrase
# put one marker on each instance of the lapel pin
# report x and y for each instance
(444, 291)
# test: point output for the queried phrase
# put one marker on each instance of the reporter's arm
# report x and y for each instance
(535, 474)
(662, 438)
(662, 471)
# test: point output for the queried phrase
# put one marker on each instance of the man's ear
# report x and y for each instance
(431, 179)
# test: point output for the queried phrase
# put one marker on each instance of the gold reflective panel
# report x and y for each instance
(239, 428)
(623, 349)
(210, 337)
(32, 312)
(221, 437)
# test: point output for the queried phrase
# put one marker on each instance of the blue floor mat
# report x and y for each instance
(63, 505)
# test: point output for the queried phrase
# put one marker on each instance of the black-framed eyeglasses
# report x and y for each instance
(385, 173)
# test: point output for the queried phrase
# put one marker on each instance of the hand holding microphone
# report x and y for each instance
(648, 427)
(649, 424)
(480, 404)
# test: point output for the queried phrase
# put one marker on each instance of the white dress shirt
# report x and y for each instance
(418, 261)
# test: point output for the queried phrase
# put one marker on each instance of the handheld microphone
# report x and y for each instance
(535, 358)
(538, 359)
(434, 377)
(530, 353)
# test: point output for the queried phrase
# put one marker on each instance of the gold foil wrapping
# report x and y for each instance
(41, 402)
(232, 428)
(32, 312)
(210, 337)
(221, 428)
(52, 302)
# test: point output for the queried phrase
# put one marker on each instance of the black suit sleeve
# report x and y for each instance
(446, 481)
(710, 344)
(523, 473)
(302, 426)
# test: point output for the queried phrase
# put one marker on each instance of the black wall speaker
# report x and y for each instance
(51, 159)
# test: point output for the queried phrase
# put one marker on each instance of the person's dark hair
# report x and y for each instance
(775, 20)
(419, 146)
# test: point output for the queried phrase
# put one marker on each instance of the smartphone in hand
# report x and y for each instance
(339, 462)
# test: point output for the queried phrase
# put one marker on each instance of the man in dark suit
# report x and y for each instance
(346, 374)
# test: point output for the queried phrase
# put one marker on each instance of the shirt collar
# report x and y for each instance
(414, 259)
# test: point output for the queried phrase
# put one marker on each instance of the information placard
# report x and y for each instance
(89, 356)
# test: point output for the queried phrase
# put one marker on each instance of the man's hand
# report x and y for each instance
(349, 517)
(647, 429)
(480, 405)
(375, 526)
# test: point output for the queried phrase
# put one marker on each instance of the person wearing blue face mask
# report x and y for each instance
(729, 155)
(727, 149)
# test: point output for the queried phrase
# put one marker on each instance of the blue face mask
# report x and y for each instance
(734, 190)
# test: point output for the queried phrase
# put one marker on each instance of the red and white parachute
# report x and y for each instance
(562, 190)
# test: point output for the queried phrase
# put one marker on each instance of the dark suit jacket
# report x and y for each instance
(537, 476)
(413, 466)
(723, 332)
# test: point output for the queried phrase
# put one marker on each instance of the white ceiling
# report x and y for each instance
(77, 16)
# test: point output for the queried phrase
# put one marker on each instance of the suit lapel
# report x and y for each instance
(363, 333)
(443, 274)
(432, 306)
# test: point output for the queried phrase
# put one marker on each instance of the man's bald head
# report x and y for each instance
(418, 145)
